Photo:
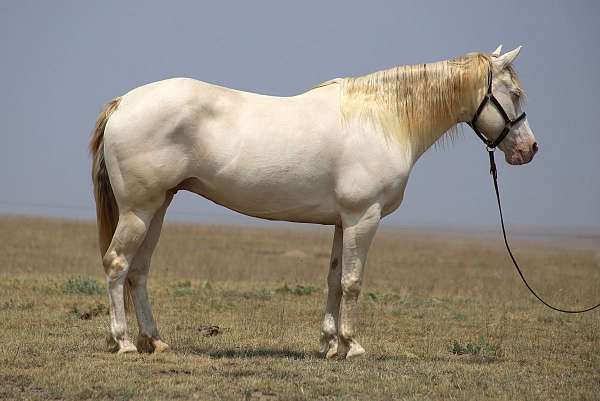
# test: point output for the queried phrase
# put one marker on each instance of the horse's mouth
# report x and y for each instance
(519, 156)
(518, 159)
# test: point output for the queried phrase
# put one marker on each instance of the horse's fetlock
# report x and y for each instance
(346, 333)
(328, 326)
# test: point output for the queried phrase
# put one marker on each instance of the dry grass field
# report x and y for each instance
(443, 317)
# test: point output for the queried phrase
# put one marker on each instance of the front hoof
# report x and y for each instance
(329, 344)
(119, 346)
(126, 347)
(332, 349)
(113, 345)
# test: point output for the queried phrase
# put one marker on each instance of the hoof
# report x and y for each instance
(150, 345)
(113, 345)
(160, 346)
(350, 350)
(126, 347)
(332, 353)
(355, 351)
(332, 349)
(329, 347)
(121, 346)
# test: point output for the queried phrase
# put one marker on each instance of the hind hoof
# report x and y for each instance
(350, 350)
(151, 345)
(355, 351)
(160, 346)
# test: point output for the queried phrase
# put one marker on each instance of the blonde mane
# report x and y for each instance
(414, 102)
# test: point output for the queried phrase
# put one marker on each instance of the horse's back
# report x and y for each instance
(249, 152)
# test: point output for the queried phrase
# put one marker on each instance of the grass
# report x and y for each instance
(82, 285)
(481, 350)
(441, 317)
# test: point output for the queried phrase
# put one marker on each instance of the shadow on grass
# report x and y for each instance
(282, 353)
(253, 353)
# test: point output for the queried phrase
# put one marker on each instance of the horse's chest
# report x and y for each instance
(393, 193)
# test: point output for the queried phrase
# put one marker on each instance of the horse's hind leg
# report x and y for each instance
(148, 339)
(128, 237)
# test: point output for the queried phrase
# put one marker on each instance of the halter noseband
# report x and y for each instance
(508, 123)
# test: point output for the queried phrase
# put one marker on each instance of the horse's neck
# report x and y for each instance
(444, 121)
(415, 105)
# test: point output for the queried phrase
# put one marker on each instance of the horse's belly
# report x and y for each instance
(274, 160)
(270, 200)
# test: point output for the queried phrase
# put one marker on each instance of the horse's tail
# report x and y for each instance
(107, 210)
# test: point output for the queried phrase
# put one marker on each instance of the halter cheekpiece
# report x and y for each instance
(508, 123)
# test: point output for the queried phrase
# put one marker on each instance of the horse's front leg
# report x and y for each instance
(329, 327)
(358, 232)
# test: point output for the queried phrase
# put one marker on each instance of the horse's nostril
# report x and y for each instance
(534, 147)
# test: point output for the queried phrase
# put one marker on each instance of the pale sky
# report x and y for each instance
(62, 60)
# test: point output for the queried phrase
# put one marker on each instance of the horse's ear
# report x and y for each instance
(496, 53)
(506, 59)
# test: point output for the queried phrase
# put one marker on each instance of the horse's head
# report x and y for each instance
(519, 145)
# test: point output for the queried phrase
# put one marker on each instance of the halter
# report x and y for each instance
(508, 123)
(491, 146)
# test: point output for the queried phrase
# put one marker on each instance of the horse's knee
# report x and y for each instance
(115, 266)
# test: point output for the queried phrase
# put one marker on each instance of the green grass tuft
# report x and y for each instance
(297, 290)
(82, 285)
(16, 306)
(260, 295)
(482, 350)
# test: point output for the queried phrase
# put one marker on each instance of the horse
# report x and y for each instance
(338, 154)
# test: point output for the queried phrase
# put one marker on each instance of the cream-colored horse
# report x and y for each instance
(339, 154)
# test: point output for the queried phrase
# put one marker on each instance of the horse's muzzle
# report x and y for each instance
(522, 156)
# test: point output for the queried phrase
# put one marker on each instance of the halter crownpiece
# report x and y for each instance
(508, 123)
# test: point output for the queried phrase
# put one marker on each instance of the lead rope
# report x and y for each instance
(494, 173)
